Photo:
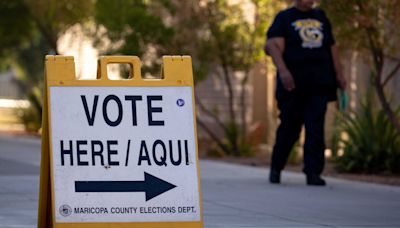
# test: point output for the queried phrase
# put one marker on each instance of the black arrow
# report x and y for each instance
(152, 186)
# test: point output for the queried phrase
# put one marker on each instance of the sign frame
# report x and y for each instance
(60, 72)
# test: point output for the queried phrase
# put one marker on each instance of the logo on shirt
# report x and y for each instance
(310, 31)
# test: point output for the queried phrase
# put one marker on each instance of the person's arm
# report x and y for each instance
(274, 48)
(338, 67)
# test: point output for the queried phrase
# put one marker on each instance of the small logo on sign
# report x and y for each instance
(180, 102)
(65, 210)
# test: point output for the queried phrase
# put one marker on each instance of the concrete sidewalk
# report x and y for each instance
(233, 195)
(239, 196)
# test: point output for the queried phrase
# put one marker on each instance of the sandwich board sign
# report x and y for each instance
(119, 153)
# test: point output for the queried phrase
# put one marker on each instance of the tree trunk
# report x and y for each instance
(243, 107)
(231, 101)
(209, 113)
(385, 104)
(378, 58)
(232, 125)
(213, 136)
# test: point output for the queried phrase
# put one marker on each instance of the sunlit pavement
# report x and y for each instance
(233, 195)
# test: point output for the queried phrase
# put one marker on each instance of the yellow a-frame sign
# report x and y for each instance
(119, 153)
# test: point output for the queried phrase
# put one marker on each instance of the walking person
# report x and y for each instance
(303, 49)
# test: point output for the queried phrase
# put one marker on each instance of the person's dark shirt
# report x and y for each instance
(308, 40)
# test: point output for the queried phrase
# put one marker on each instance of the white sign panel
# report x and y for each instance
(124, 154)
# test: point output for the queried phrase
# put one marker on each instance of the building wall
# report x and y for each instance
(11, 102)
(358, 72)
(213, 94)
(8, 86)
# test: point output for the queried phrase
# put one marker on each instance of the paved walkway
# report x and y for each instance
(239, 196)
(233, 196)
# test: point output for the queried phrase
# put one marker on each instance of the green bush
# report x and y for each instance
(372, 144)
(236, 144)
(31, 117)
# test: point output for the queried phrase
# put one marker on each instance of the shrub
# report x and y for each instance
(31, 117)
(371, 145)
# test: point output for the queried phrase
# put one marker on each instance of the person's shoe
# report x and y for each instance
(316, 180)
(274, 176)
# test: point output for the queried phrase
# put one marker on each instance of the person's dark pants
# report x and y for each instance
(296, 109)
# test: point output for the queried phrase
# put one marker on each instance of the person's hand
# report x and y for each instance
(287, 80)
(342, 81)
